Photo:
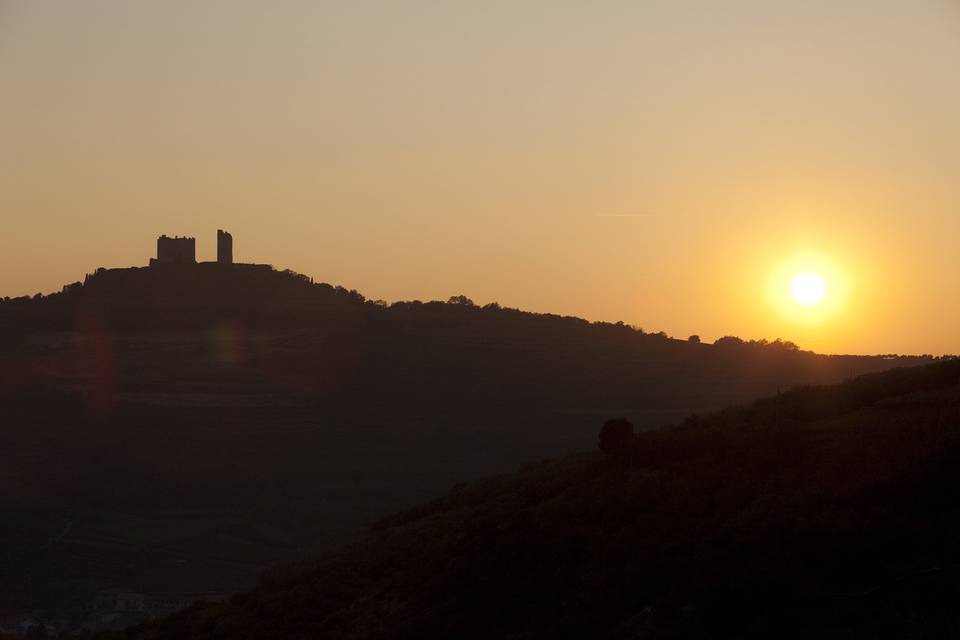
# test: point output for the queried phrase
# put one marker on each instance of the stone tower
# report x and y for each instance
(224, 247)
(176, 250)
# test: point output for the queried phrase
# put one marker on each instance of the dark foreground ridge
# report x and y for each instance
(828, 512)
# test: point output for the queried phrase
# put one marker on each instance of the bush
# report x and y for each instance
(616, 435)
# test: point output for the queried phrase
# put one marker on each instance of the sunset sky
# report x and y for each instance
(670, 164)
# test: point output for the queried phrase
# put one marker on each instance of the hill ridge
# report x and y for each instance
(188, 291)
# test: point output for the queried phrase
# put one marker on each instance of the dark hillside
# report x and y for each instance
(179, 429)
(173, 296)
(827, 512)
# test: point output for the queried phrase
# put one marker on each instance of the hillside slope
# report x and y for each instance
(179, 429)
(826, 512)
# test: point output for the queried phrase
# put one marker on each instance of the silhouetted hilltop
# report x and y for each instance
(177, 296)
(414, 351)
(257, 297)
(826, 512)
(261, 324)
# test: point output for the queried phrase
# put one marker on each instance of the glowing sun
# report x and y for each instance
(808, 289)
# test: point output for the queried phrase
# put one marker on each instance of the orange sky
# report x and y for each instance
(662, 163)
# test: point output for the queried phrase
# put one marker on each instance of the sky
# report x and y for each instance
(671, 164)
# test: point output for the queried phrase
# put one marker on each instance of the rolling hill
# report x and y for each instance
(179, 429)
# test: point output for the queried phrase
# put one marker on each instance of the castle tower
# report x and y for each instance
(224, 247)
(175, 250)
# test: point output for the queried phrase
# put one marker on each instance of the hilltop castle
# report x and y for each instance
(182, 250)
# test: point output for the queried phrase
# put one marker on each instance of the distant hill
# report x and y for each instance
(182, 296)
(180, 428)
(828, 512)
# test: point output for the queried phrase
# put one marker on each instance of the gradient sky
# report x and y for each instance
(654, 162)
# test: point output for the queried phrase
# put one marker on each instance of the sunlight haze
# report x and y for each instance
(669, 164)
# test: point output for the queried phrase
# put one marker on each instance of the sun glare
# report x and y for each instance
(808, 289)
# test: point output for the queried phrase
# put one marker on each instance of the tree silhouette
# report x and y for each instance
(461, 300)
(615, 435)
